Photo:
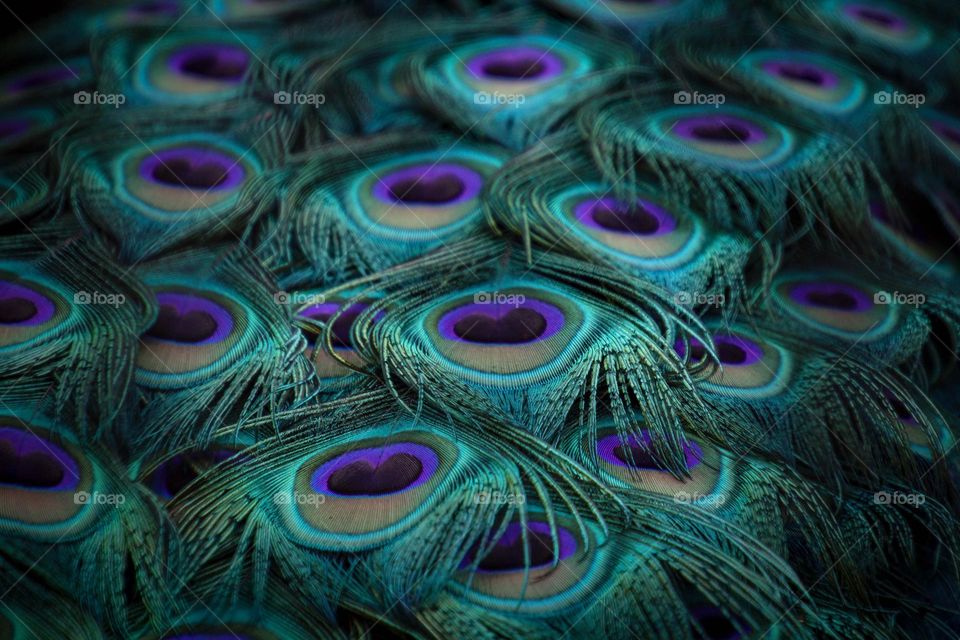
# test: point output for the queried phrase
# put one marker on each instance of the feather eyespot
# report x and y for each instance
(194, 175)
(883, 24)
(423, 195)
(750, 367)
(198, 70)
(196, 333)
(212, 62)
(515, 330)
(511, 553)
(837, 306)
(170, 478)
(807, 79)
(20, 125)
(191, 168)
(643, 231)
(632, 461)
(44, 481)
(360, 494)
(515, 66)
(325, 364)
(728, 135)
(28, 310)
(515, 87)
(375, 471)
(533, 567)
(643, 218)
(44, 79)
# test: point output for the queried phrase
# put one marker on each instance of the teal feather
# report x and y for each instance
(289, 520)
(94, 527)
(37, 605)
(480, 319)
(221, 348)
(77, 316)
(180, 66)
(515, 87)
(782, 187)
(156, 186)
(358, 210)
(675, 249)
(543, 370)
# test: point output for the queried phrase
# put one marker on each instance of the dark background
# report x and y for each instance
(31, 12)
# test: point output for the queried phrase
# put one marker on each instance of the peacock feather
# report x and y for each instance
(480, 319)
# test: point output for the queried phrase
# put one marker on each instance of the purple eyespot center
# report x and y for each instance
(13, 127)
(502, 323)
(732, 350)
(16, 310)
(947, 131)
(42, 78)
(192, 168)
(836, 296)
(21, 306)
(190, 319)
(876, 16)
(802, 72)
(32, 462)
(429, 184)
(611, 214)
(719, 129)
(516, 64)
(376, 471)
(390, 475)
(181, 470)
(637, 452)
(507, 554)
(515, 326)
(341, 326)
(722, 132)
(218, 62)
(736, 350)
(442, 188)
